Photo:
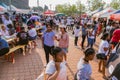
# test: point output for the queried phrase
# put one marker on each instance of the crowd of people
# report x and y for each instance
(54, 28)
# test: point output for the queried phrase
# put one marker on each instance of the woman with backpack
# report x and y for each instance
(102, 53)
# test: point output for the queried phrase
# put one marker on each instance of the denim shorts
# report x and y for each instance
(65, 50)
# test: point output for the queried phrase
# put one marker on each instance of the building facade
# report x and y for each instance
(22, 4)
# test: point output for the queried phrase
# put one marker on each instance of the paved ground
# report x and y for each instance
(30, 66)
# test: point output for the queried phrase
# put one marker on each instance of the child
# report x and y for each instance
(84, 68)
(18, 28)
(76, 33)
(91, 37)
(56, 68)
(102, 53)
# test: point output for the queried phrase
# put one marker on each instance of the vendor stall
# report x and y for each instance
(105, 11)
(115, 17)
(49, 13)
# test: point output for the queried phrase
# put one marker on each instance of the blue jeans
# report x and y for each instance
(90, 42)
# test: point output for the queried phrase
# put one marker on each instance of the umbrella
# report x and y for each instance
(34, 17)
(60, 14)
(49, 13)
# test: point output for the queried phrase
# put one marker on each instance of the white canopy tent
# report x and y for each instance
(105, 11)
(108, 14)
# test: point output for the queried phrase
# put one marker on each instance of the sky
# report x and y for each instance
(56, 2)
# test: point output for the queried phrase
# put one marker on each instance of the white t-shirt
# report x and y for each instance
(76, 32)
(68, 21)
(84, 70)
(4, 33)
(6, 22)
(103, 44)
(32, 32)
(93, 35)
(50, 69)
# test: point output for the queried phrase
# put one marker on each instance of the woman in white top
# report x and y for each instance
(56, 68)
(32, 35)
(84, 68)
(91, 37)
(76, 33)
(103, 52)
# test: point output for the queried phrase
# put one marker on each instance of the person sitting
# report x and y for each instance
(4, 31)
(4, 47)
(56, 68)
(22, 37)
(32, 35)
(18, 27)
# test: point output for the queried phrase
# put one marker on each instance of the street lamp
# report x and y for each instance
(10, 2)
(38, 3)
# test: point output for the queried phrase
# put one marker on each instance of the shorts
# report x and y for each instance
(101, 56)
(65, 50)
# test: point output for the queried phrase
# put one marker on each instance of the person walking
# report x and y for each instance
(76, 33)
(48, 41)
(84, 34)
(56, 68)
(84, 68)
(102, 53)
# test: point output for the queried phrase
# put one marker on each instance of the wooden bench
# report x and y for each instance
(10, 55)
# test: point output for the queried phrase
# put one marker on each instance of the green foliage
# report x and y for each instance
(70, 9)
(115, 4)
(80, 7)
(46, 8)
(38, 8)
(95, 4)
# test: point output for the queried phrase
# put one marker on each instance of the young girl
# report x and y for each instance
(63, 40)
(91, 37)
(18, 28)
(102, 53)
(56, 69)
(84, 68)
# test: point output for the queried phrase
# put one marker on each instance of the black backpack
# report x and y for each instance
(116, 72)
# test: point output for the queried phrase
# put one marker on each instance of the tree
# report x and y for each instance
(66, 9)
(95, 4)
(115, 4)
(38, 8)
(80, 7)
(46, 8)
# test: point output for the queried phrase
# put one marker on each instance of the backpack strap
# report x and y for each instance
(117, 46)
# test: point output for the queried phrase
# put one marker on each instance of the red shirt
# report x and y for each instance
(18, 29)
(116, 36)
